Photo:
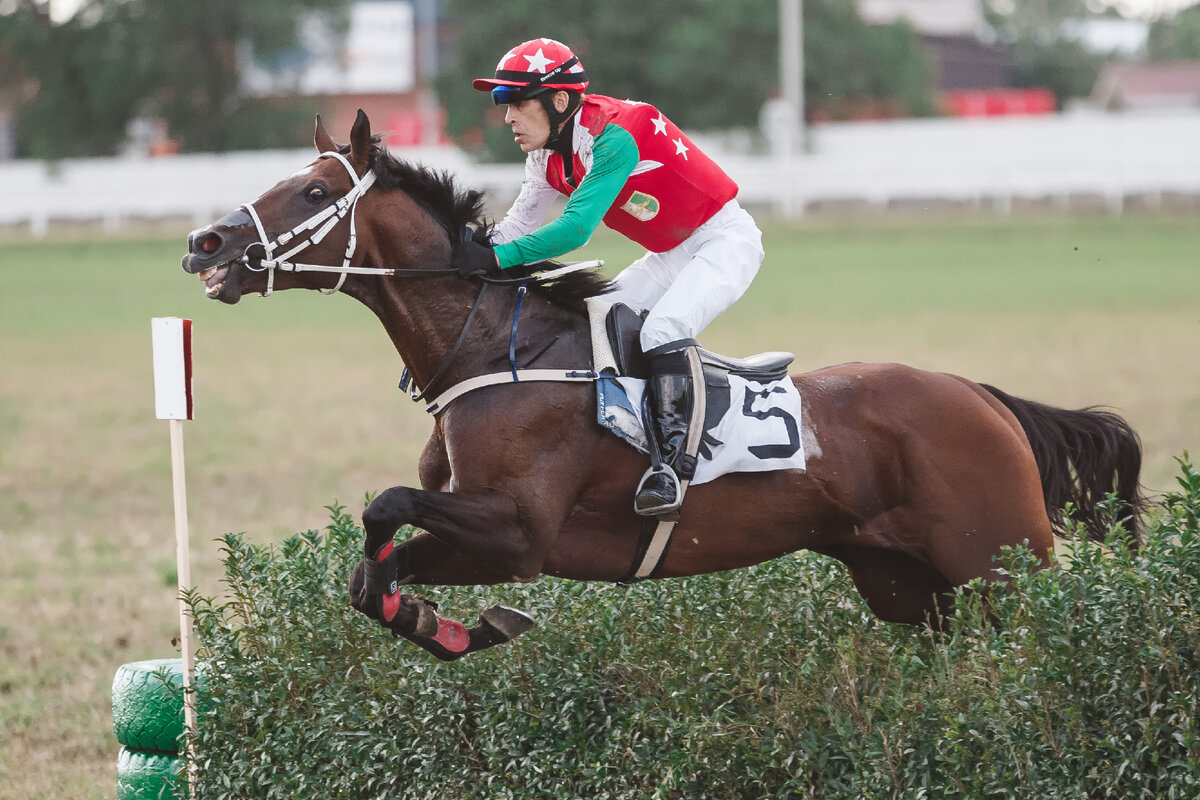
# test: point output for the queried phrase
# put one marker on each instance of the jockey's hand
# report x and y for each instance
(471, 258)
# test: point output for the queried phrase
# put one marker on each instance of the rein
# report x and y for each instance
(515, 374)
(327, 219)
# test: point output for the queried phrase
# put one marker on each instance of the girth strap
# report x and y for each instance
(652, 546)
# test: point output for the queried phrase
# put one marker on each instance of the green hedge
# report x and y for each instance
(773, 681)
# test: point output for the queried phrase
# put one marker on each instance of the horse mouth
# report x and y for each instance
(221, 282)
(214, 278)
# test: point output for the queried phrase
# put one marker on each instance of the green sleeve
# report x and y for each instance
(614, 155)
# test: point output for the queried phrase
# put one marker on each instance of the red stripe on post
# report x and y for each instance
(187, 367)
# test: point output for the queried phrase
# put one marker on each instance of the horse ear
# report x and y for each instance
(360, 141)
(322, 139)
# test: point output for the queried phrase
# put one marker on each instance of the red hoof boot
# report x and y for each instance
(497, 625)
(452, 635)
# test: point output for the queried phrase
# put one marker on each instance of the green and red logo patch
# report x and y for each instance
(642, 206)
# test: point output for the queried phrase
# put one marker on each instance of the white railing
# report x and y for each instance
(1061, 158)
(988, 162)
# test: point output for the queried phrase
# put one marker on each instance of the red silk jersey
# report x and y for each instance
(674, 189)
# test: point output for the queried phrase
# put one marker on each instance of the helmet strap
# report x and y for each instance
(557, 118)
(562, 124)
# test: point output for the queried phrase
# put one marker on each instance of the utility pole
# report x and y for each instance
(427, 65)
(791, 85)
(791, 68)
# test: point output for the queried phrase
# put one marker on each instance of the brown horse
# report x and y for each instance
(915, 480)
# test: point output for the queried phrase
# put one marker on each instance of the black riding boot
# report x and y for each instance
(674, 424)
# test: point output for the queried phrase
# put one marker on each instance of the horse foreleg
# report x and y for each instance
(483, 527)
(427, 559)
(415, 618)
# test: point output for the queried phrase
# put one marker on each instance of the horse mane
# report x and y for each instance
(456, 208)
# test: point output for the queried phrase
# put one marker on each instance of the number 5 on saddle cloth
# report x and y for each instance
(752, 420)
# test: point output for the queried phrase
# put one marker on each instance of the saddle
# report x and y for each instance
(616, 333)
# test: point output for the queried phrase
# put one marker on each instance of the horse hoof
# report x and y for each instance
(508, 622)
(427, 618)
(358, 596)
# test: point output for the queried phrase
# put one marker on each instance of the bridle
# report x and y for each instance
(320, 224)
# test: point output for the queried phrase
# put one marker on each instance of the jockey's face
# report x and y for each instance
(530, 123)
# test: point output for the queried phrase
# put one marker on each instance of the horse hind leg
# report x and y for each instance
(415, 618)
(897, 587)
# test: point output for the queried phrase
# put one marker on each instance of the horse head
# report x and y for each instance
(240, 252)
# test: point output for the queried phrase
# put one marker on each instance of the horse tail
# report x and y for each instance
(1083, 456)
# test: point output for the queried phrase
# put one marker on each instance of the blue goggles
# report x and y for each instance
(510, 94)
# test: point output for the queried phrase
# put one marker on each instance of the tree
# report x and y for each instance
(198, 88)
(852, 68)
(710, 64)
(1175, 37)
(1043, 55)
(116, 60)
(82, 76)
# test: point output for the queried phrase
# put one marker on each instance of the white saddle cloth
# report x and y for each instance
(760, 432)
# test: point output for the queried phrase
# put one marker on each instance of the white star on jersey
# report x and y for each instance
(660, 124)
(680, 148)
(538, 61)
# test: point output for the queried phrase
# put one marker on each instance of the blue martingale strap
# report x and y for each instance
(512, 338)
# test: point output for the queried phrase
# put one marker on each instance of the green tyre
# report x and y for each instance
(147, 705)
(149, 776)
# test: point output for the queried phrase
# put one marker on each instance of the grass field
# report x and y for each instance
(297, 407)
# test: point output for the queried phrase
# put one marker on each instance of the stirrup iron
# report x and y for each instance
(660, 510)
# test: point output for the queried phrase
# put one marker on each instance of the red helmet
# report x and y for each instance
(534, 67)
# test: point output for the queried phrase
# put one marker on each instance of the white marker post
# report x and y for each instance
(172, 338)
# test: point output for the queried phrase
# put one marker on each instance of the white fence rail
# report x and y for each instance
(985, 161)
(994, 160)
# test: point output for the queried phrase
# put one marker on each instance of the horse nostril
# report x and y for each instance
(206, 243)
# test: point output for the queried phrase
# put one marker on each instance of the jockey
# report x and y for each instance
(623, 163)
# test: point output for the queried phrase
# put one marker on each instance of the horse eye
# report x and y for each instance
(315, 194)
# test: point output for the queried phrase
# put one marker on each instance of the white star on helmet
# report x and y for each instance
(538, 61)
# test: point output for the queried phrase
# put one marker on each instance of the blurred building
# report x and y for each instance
(973, 73)
(1117, 37)
(377, 67)
(1148, 87)
(948, 18)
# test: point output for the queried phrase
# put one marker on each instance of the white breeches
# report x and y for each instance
(690, 285)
